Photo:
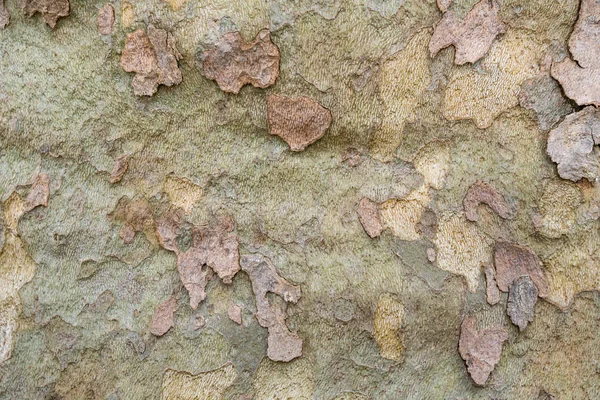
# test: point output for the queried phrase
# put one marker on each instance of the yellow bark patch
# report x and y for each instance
(127, 14)
(182, 192)
(176, 4)
(387, 323)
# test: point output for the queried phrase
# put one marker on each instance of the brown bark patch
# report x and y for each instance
(51, 10)
(233, 63)
(214, 249)
(472, 36)
(136, 216)
(119, 168)
(234, 312)
(299, 121)
(39, 193)
(368, 215)
(492, 292)
(513, 261)
(106, 19)
(153, 57)
(481, 192)
(482, 349)
(164, 317)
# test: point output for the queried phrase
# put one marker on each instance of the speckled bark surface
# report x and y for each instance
(170, 247)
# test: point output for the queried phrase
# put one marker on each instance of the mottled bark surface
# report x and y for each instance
(161, 236)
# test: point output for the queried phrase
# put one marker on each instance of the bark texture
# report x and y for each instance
(262, 199)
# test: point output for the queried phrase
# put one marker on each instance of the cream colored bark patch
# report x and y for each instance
(433, 162)
(8, 325)
(402, 82)
(16, 265)
(182, 193)
(482, 94)
(461, 248)
(292, 380)
(387, 323)
(402, 216)
(181, 385)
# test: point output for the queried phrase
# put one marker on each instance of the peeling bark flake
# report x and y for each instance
(443, 4)
(481, 192)
(522, 297)
(300, 121)
(51, 10)
(234, 312)
(283, 345)
(513, 261)
(368, 215)
(492, 292)
(472, 36)
(482, 349)
(164, 317)
(153, 57)
(40, 192)
(580, 76)
(543, 95)
(106, 19)
(119, 168)
(214, 249)
(571, 145)
(167, 231)
(233, 63)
